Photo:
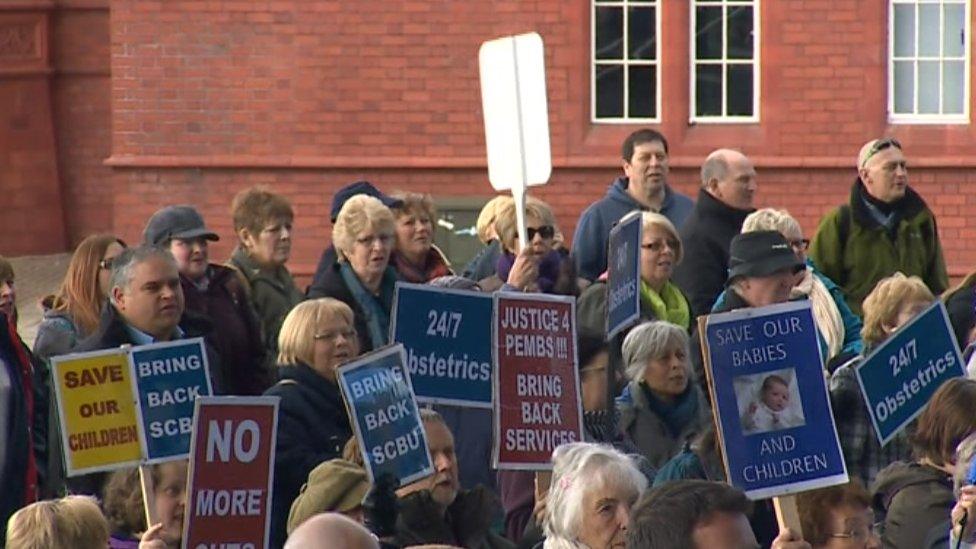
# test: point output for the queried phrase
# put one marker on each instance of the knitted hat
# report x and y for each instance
(335, 485)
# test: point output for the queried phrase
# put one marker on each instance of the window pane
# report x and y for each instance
(643, 89)
(739, 100)
(708, 33)
(609, 33)
(740, 33)
(609, 91)
(953, 88)
(928, 87)
(708, 90)
(928, 30)
(954, 37)
(641, 31)
(904, 87)
(904, 30)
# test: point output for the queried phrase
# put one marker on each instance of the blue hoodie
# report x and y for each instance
(593, 229)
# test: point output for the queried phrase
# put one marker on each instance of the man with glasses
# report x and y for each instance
(884, 228)
(724, 200)
(644, 186)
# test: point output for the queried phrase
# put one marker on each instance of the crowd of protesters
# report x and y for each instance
(649, 472)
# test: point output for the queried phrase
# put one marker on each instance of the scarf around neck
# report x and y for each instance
(548, 269)
(669, 305)
(377, 316)
(677, 415)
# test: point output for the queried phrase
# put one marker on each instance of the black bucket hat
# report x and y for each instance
(761, 253)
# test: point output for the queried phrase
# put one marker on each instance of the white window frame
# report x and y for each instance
(626, 63)
(915, 117)
(724, 61)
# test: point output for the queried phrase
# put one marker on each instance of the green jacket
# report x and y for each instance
(855, 251)
(272, 294)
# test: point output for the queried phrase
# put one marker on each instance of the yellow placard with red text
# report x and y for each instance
(97, 409)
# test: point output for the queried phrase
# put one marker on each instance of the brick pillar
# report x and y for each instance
(31, 215)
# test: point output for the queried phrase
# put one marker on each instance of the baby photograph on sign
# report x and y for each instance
(769, 401)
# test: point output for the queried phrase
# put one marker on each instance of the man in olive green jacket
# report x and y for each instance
(885, 227)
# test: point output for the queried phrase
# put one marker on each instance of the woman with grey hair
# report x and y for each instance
(660, 409)
(588, 505)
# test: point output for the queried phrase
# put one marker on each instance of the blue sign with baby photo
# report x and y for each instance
(447, 337)
(169, 376)
(384, 415)
(623, 276)
(901, 375)
(772, 408)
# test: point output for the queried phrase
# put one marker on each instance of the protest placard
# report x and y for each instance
(448, 353)
(901, 375)
(231, 469)
(168, 377)
(770, 400)
(97, 410)
(384, 414)
(623, 280)
(537, 398)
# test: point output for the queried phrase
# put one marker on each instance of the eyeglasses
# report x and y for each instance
(879, 146)
(383, 239)
(800, 245)
(106, 263)
(334, 335)
(545, 231)
(861, 533)
(658, 245)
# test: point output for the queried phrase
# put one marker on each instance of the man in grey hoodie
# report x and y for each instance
(644, 187)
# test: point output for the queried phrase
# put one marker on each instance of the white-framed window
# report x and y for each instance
(928, 61)
(724, 61)
(625, 60)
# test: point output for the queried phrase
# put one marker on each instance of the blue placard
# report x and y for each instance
(384, 414)
(902, 374)
(447, 338)
(766, 375)
(169, 376)
(623, 280)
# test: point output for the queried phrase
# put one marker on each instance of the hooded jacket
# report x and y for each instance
(914, 501)
(854, 250)
(593, 229)
(706, 238)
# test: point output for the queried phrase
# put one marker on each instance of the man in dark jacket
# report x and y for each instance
(216, 292)
(644, 187)
(724, 201)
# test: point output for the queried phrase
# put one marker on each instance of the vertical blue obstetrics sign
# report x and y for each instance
(381, 405)
(169, 376)
(623, 281)
(901, 375)
(447, 338)
(773, 411)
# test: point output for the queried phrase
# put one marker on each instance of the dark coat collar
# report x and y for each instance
(906, 208)
(712, 208)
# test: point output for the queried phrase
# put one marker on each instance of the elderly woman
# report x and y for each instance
(838, 327)
(315, 338)
(588, 504)
(915, 498)
(536, 267)
(892, 303)
(73, 522)
(262, 222)
(838, 517)
(483, 264)
(661, 408)
(415, 258)
(363, 279)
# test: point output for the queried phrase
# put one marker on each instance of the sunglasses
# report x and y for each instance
(879, 146)
(545, 231)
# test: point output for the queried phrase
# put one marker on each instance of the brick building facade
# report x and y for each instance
(112, 109)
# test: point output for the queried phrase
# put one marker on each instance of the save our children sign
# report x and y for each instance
(771, 403)
(537, 399)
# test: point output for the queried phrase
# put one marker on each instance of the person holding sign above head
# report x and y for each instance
(661, 408)
(316, 336)
(892, 303)
(915, 499)
(415, 258)
(838, 517)
(364, 234)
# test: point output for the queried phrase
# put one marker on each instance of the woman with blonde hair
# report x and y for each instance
(415, 257)
(316, 337)
(894, 302)
(72, 522)
(483, 265)
(364, 234)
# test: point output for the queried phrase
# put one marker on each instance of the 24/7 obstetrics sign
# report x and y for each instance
(537, 404)
(623, 281)
(444, 334)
